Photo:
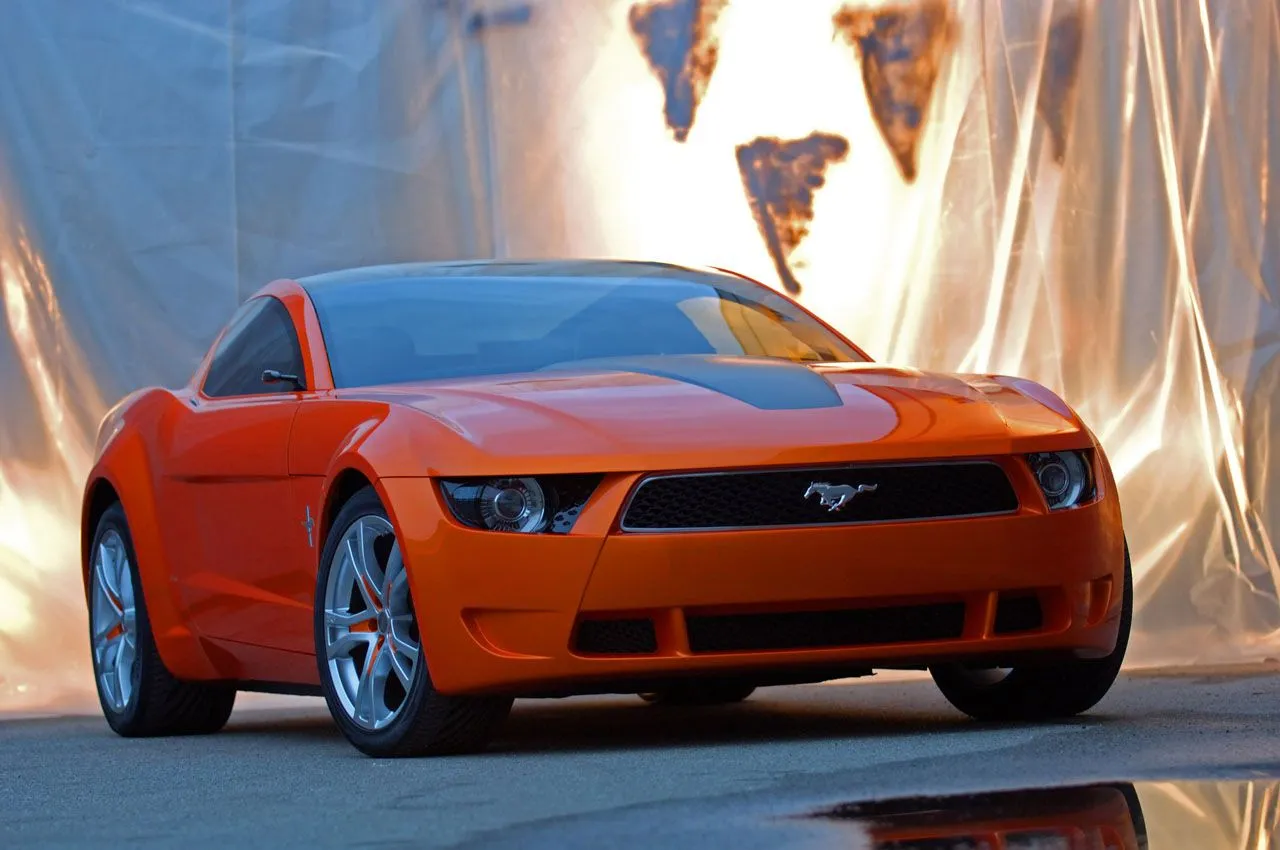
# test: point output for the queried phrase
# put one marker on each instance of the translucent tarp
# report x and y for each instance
(1076, 192)
(1211, 815)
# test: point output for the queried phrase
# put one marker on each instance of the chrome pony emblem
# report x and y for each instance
(833, 497)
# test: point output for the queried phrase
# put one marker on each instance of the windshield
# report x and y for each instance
(416, 329)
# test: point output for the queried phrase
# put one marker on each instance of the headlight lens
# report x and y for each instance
(1064, 478)
(524, 505)
(513, 504)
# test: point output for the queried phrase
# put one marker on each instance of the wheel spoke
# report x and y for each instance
(345, 644)
(107, 557)
(120, 571)
(371, 692)
(104, 568)
(400, 632)
(125, 583)
(403, 671)
(404, 650)
(395, 576)
(110, 687)
(108, 655)
(120, 668)
(106, 617)
(347, 619)
(127, 655)
(382, 667)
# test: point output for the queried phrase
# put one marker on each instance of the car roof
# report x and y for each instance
(532, 269)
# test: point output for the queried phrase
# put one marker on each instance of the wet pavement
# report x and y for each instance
(843, 766)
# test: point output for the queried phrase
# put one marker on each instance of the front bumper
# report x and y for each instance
(527, 614)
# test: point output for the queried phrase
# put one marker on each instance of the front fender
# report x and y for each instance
(1029, 409)
(390, 448)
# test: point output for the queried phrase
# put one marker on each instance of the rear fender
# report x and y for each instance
(127, 462)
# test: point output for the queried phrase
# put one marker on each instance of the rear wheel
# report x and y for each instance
(369, 651)
(699, 693)
(138, 694)
(1038, 692)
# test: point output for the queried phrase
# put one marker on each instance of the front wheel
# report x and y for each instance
(369, 651)
(1039, 692)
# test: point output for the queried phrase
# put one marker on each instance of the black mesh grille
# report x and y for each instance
(1018, 614)
(616, 637)
(816, 629)
(777, 498)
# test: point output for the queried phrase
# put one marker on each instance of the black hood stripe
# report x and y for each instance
(761, 382)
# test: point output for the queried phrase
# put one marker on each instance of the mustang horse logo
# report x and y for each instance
(833, 497)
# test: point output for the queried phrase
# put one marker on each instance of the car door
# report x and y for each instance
(229, 476)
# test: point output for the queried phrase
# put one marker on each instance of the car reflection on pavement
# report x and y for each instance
(1080, 818)
(1112, 816)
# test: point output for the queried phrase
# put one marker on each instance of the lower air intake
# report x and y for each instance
(1018, 614)
(820, 629)
(616, 637)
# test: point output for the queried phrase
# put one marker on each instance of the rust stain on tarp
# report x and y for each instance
(1056, 100)
(678, 40)
(780, 178)
(901, 48)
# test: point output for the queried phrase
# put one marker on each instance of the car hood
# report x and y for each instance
(690, 412)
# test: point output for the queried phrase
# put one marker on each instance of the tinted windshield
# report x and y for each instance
(400, 330)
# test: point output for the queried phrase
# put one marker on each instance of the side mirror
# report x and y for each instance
(273, 376)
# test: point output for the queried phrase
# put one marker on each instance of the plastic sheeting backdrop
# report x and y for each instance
(1075, 192)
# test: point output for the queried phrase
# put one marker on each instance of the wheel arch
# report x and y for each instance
(348, 480)
(368, 452)
(99, 495)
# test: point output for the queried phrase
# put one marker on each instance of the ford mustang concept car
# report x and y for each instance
(426, 490)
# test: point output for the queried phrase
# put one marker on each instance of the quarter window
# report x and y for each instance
(262, 337)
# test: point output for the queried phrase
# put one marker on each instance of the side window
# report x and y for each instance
(262, 337)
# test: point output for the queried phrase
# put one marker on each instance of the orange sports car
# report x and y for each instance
(425, 490)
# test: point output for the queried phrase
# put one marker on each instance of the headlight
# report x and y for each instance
(523, 505)
(1064, 478)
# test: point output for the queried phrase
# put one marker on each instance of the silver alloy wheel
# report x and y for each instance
(114, 624)
(370, 633)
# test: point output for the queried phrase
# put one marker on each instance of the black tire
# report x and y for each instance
(428, 722)
(699, 693)
(159, 704)
(1044, 692)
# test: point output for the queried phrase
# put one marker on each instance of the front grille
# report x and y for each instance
(762, 499)
(822, 629)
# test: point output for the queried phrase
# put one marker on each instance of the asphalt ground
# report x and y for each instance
(611, 771)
